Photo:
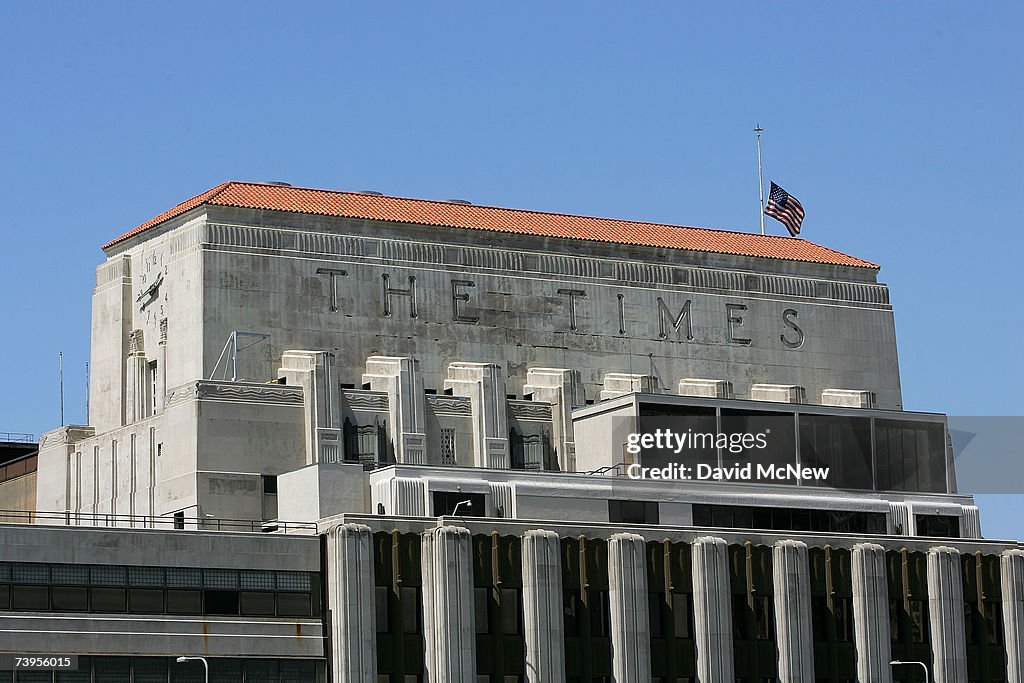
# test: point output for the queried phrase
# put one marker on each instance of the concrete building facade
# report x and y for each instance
(391, 440)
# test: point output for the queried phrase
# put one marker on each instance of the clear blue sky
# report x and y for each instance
(898, 125)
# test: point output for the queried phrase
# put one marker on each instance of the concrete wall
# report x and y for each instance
(123, 634)
(264, 277)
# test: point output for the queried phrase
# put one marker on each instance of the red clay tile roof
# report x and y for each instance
(272, 197)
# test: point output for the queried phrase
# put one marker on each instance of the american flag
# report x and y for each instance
(784, 208)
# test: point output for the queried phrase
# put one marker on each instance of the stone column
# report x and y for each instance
(484, 385)
(712, 610)
(563, 389)
(946, 616)
(350, 595)
(792, 582)
(970, 522)
(543, 627)
(315, 372)
(161, 367)
(871, 613)
(1012, 570)
(400, 379)
(627, 598)
(137, 382)
(449, 629)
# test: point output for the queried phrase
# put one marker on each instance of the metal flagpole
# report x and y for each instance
(760, 178)
(60, 369)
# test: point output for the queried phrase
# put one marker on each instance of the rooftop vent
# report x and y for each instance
(279, 182)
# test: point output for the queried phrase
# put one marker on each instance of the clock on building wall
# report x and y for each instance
(152, 288)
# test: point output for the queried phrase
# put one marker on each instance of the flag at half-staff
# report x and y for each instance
(784, 208)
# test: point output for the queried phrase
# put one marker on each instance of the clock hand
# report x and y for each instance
(152, 288)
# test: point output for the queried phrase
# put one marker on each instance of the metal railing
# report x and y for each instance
(165, 522)
(17, 437)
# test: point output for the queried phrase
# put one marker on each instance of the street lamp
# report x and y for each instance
(897, 662)
(206, 667)
(467, 503)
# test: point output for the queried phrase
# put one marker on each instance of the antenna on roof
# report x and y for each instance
(373, 192)
(460, 201)
(279, 182)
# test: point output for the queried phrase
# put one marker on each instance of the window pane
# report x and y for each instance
(107, 575)
(293, 581)
(146, 600)
(510, 611)
(149, 670)
(70, 574)
(380, 596)
(260, 671)
(70, 598)
(481, 607)
(5, 597)
(220, 602)
(410, 602)
(108, 599)
(220, 578)
(257, 604)
(257, 580)
(24, 572)
(184, 578)
(113, 669)
(146, 576)
(294, 604)
(31, 597)
(184, 602)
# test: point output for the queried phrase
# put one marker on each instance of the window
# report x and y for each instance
(31, 597)
(941, 526)
(108, 599)
(469, 504)
(71, 598)
(154, 392)
(146, 600)
(269, 485)
(632, 512)
(256, 604)
(223, 602)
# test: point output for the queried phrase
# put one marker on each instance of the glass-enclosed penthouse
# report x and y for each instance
(744, 441)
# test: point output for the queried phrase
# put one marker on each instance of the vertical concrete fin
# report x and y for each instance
(315, 372)
(1012, 575)
(400, 378)
(544, 629)
(449, 628)
(946, 615)
(792, 582)
(712, 607)
(563, 389)
(871, 613)
(350, 591)
(627, 595)
(484, 385)
(970, 522)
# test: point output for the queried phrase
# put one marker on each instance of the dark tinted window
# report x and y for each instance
(184, 601)
(294, 604)
(220, 602)
(70, 598)
(146, 600)
(257, 603)
(108, 599)
(31, 597)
